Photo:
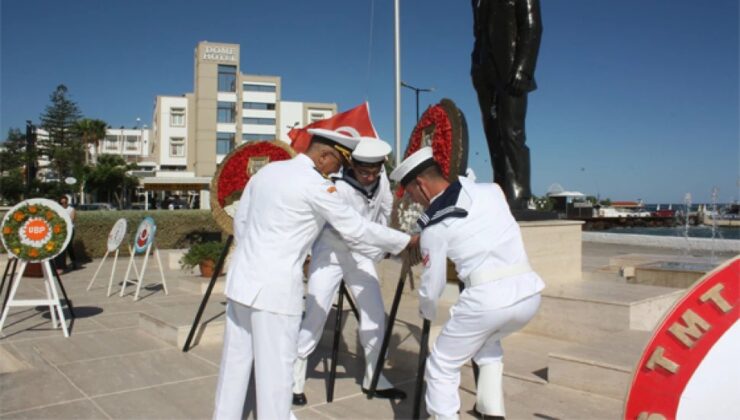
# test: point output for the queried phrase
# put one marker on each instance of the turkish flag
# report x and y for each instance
(355, 122)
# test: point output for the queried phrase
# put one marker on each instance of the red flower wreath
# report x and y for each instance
(234, 177)
(441, 139)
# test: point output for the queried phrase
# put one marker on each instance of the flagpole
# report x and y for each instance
(397, 62)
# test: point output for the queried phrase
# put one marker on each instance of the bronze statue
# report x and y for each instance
(507, 39)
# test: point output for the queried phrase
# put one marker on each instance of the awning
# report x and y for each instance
(175, 183)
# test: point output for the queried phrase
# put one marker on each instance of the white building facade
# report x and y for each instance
(192, 133)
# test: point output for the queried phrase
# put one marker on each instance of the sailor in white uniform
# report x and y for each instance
(471, 224)
(281, 212)
(365, 188)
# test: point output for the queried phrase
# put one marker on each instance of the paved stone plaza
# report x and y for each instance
(114, 366)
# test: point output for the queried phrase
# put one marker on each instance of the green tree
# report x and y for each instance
(13, 159)
(13, 153)
(109, 179)
(90, 132)
(63, 147)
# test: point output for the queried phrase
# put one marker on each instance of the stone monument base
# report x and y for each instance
(554, 250)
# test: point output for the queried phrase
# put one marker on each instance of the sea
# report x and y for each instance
(680, 231)
(700, 231)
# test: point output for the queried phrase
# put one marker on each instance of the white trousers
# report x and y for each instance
(469, 335)
(269, 341)
(362, 281)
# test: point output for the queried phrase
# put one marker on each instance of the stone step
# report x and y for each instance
(526, 356)
(604, 366)
(671, 273)
(525, 400)
(627, 263)
(592, 309)
(172, 322)
(194, 283)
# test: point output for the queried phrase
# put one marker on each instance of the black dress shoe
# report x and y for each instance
(485, 416)
(390, 393)
(299, 399)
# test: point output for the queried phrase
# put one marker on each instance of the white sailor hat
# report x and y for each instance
(413, 165)
(343, 143)
(371, 150)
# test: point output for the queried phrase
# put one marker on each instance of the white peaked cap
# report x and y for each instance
(413, 165)
(336, 138)
(371, 150)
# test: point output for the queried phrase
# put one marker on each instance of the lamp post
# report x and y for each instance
(417, 91)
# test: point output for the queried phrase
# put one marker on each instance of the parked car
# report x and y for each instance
(95, 206)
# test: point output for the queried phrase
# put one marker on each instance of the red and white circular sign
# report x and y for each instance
(690, 368)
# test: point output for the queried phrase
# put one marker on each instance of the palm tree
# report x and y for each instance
(91, 131)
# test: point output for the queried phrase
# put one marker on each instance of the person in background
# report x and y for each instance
(61, 260)
(471, 224)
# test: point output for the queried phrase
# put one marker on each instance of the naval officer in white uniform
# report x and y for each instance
(281, 212)
(471, 224)
(365, 187)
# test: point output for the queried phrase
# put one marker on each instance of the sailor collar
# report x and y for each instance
(349, 177)
(443, 206)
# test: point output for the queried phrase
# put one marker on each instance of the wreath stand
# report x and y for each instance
(343, 293)
(140, 275)
(112, 271)
(207, 295)
(406, 273)
(51, 279)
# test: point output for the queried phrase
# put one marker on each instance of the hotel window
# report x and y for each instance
(177, 147)
(251, 87)
(132, 143)
(258, 121)
(258, 105)
(315, 116)
(224, 143)
(257, 137)
(177, 117)
(111, 142)
(226, 78)
(226, 112)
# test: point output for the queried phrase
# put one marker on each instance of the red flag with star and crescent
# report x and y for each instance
(355, 122)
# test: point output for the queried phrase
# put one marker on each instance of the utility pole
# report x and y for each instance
(416, 91)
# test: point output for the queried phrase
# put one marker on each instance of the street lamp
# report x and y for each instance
(416, 91)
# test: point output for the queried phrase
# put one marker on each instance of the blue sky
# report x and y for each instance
(636, 98)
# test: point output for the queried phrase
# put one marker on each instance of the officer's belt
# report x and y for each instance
(487, 275)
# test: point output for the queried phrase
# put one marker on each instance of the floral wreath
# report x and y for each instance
(444, 126)
(34, 231)
(235, 171)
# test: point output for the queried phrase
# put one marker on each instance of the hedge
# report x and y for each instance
(175, 229)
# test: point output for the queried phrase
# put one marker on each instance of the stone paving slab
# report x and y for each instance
(87, 346)
(189, 399)
(133, 371)
(80, 409)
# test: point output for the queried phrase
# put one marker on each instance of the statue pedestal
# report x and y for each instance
(554, 250)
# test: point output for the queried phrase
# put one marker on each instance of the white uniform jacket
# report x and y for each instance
(374, 205)
(477, 232)
(281, 212)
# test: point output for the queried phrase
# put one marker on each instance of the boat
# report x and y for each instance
(728, 216)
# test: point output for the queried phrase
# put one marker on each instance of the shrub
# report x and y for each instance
(175, 229)
(200, 252)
